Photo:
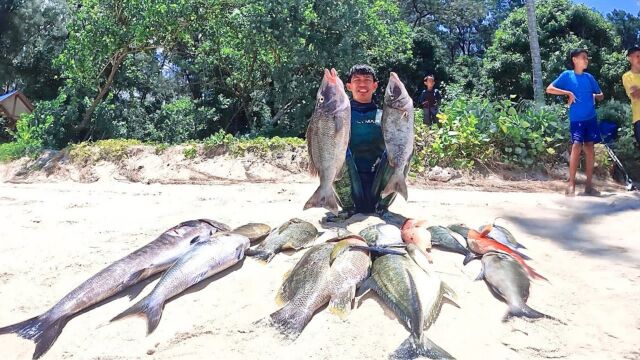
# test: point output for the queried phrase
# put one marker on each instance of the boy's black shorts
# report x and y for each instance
(636, 132)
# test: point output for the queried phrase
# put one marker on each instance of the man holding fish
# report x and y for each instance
(378, 144)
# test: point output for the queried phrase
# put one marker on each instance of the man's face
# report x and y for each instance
(580, 61)
(362, 87)
(634, 60)
(429, 83)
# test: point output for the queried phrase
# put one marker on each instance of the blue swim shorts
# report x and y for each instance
(585, 131)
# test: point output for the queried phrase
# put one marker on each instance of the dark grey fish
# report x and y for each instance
(295, 234)
(381, 235)
(327, 139)
(509, 281)
(327, 273)
(205, 259)
(398, 133)
(150, 259)
(407, 285)
(448, 240)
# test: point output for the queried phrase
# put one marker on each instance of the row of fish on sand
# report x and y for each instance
(394, 262)
(339, 266)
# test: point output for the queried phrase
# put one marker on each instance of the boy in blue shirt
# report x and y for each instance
(582, 90)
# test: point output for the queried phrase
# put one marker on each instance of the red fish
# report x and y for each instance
(415, 232)
(481, 244)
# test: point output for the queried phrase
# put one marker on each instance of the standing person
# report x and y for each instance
(631, 82)
(366, 170)
(430, 100)
(582, 91)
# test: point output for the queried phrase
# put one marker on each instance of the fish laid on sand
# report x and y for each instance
(503, 236)
(381, 235)
(205, 258)
(445, 239)
(509, 281)
(254, 231)
(398, 133)
(415, 294)
(481, 244)
(295, 234)
(150, 259)
(327, 139)
(326, 273)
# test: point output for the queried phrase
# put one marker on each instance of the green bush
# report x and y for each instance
(108, 150)
(28, 138)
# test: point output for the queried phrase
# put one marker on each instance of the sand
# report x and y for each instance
(56, 235)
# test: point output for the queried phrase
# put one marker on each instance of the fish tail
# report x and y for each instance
(468, 258)
(42, 330)
(414, 347)
(397, 183)
(323, 197)
(262, 255)
(525, 311)
(290, 320)
(449, 292)
(152, 310)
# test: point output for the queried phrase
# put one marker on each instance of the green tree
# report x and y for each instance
(32, 34)
(562, 26)
(627, 26)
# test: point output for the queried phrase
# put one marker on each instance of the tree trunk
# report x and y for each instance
(534, 45)
(115, 63)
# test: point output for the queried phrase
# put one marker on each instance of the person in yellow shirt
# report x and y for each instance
(631, 82)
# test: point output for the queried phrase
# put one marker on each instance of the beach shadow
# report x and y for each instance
(568, 227)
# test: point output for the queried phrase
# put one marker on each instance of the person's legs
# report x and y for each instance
(592, 136)
(573, 168)
(636, 133)
(589, 159)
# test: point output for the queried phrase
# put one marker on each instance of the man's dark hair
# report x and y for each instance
(573, 53)
(362, 69)
(633, 49)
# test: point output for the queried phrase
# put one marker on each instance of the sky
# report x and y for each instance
(606, 6)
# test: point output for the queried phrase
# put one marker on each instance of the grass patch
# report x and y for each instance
(108, 150)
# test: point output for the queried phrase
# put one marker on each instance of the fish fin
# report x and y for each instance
(480, 275)
(41, 330)
(216, 224)
(419, 257)
(313, 171)
(416, 323)
(339, 123)
(324, 197)
(261, 255)
(135, 277)
(378, 250)
(413, 348)
(340, 304)
(525, 311)
(151, 310)
(397, 183)
(531, 271)
(290, 320)
(469, 258)
(280, 298)
(449, 292)
(486, 230)
(364, 288)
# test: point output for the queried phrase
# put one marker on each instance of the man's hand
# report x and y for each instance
(635, 92)
(599, 97)
(572, 98)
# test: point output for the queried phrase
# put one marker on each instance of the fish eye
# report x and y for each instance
(321, 98)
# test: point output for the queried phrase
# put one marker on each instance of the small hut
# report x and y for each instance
(12, 105)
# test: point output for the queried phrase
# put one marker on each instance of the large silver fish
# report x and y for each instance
(150, 259)
(509, 281)
(205, 258)
(408, 286)
(327, 139)
(398, 132)
(326, 273)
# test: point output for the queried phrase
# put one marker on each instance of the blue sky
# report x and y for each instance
(606, 6)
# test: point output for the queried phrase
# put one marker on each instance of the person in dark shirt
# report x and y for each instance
(366, 170)
(429, 100)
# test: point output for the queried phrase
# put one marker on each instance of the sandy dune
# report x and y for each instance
(54, 236)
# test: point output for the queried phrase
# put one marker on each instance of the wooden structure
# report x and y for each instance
(12, 105)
